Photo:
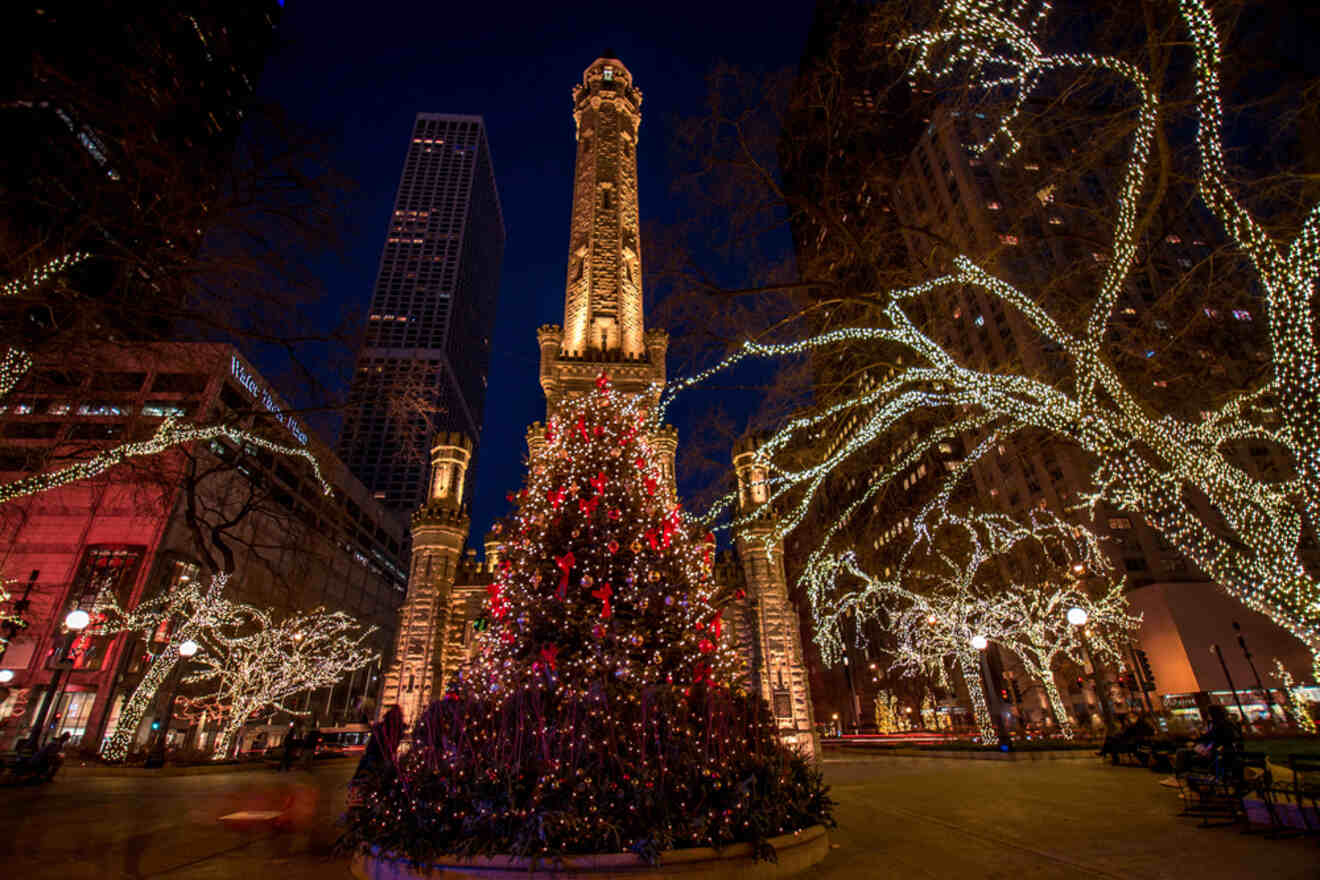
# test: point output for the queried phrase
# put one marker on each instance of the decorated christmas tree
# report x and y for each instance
(604, 711)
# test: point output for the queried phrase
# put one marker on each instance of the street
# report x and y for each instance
(908, 817)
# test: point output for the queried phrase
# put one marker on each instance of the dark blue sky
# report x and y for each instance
(360, 72)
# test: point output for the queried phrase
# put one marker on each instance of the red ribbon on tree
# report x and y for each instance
(598, 482)
(555, 497)
(701, 673)
(603, 382)
(706, 646)
(603, 594)
(650, 539)
(671, 523)
(496, 601)
(717, 624)
(581, 428)
(549, 654)
(588, 507)
(565, 564)
(650, 486)
(550, 431)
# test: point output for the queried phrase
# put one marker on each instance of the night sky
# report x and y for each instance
(358, 73)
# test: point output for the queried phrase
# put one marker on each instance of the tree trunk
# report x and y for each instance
(1056, 705)
(971, 673)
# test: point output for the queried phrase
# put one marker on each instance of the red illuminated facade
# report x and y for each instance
(134, 530)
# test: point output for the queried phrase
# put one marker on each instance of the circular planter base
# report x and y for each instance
(796, 852)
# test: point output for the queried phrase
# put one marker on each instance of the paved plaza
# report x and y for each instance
(899, 817)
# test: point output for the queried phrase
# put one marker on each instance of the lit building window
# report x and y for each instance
(1120, 522)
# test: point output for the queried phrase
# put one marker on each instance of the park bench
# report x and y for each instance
(1215, 795)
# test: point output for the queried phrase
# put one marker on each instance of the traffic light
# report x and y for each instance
(1146, 672)
(1003, 694)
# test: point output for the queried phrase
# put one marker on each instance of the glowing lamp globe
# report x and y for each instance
(6, 676)
(77, 620)
(1077, 616)
(979, 642)
(188, 648)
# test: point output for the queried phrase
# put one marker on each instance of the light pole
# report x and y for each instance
(1265, 694)
(1078, 617)
(74, 622)
(187, 650)
(1242, 713)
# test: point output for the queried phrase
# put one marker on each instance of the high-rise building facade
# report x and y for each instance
(422, 368)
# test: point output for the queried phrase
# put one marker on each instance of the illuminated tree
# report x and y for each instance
(1034, 625)
(606, 710)
(257, 663)
(189, 612)
(1244, 531)
(977, 576)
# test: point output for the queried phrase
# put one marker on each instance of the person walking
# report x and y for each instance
(309, 744)
(290, 748)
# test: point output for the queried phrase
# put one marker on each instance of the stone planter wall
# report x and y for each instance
(796, 852)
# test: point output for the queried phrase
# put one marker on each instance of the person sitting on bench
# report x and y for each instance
(1137, 730)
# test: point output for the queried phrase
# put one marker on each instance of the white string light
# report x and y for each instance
(1145, 461)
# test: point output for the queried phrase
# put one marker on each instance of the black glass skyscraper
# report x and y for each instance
(423, 365)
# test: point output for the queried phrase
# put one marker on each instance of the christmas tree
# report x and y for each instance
(604, 711)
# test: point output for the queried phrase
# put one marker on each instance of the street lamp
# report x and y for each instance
(187, 650)
(1078, 617)
(6, 676)
(979, 642)
(74, 622)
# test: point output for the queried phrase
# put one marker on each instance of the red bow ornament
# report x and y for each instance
(598, 482)
(650, 486)
(497, 606)
(588, 507)
(555, 497)
(717, 624)
(603, 594)
(565, 564)
(581, 428)
(671, 523)
(603, 382)
(650, 539)
(550, 654)
(550, 432)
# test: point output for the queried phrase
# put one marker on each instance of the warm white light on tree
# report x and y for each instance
(1247, 531)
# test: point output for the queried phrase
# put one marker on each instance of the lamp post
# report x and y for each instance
(1078, 617)
(1260, 686)
(187, 650)
(74, 622)
(6, 676)
(1242, 713)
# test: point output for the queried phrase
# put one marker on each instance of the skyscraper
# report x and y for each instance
(422, 368)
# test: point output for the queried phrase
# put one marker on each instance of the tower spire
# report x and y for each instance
(603, 298)
(603, 317)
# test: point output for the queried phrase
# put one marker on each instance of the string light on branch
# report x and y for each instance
(1247, 534)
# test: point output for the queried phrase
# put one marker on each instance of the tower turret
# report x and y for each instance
(777, 665)
(439, 529)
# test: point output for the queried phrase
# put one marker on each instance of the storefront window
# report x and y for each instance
(104, 570)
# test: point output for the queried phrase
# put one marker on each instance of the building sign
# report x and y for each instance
(267, 400)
